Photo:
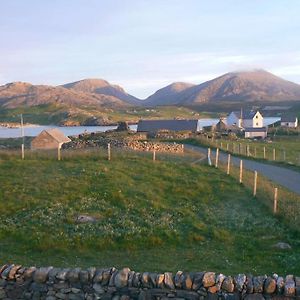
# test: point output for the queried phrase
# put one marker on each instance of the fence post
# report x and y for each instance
(227, 147)
(248, 150)
(221, 145)
(217, 157)
(255, 184)
(275, 200)
(255, 152)
(264, 152)
(108, 151)
(208, 156)
(58, 153)
(240, 148)
(154, 155)
(284, 155)
(241, 171)
(274, 154)
(228, 163)
(23, 151)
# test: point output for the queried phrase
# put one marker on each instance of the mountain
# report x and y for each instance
(168, 95)
(257, 85)
(13, 95)
(101, 87)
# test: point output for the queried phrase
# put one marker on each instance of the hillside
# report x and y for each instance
(101, 87)
(248, 86)
(168, 95)
(17, 94)
(169, 215)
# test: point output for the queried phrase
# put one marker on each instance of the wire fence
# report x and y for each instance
(287, 152)
(282, 202)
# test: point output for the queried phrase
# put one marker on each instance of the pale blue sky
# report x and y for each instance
(144, 45)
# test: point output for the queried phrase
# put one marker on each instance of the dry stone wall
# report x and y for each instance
(126, 144)
(17, 282)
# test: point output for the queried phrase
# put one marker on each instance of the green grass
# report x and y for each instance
(59, 114)
(156, 216)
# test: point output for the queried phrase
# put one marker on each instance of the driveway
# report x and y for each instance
(283, 176)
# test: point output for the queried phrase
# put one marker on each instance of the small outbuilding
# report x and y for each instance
(49, 139)
(289, 121)
(252, 132)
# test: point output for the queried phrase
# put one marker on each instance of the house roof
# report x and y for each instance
(246, 114)
(253, 129)
(57, 135)
(172, 125)
(288, 118)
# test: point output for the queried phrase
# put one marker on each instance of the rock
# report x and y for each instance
(249, 284)
(62, 274)
(28, 274)
(5, 272)
(297, 281)
(270, 285)
(84, 276)
(52, 274)
(187, 281)
(168, 281)
(105, 276)
(219, 280)
(239, 282)
(258, 284)
(197, 280)
(13, 271)
(160, 281)
(73, 275)
(146, 282)
(289, 288)
(228, 285)
(41, 274)
(137, 278)
(98, 276)
(2, 268)
(98, 288)
(280, 285)
(130, 278)
(80, 219)
(121, 279)
(39, 287)
(282, 246)
(208, 279)
(254, 297)
(177, 279)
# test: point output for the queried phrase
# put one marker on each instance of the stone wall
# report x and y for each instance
(17, 282)
(126, 144)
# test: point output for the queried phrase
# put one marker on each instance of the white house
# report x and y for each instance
(245, 119)
(252, 132)
(289, 121)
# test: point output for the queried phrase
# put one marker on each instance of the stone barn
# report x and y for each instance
(49, 139)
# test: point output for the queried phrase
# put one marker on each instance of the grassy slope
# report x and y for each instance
(151, 216)
(54, 114)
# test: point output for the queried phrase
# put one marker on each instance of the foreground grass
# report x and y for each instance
(164, 215)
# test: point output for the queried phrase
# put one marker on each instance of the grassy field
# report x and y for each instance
(156, 216)
(287, 149)
(58, 114)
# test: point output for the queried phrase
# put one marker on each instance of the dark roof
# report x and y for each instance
(288, 118)
(253, 129)
(172, 125)
(57, 135)
(246, 114)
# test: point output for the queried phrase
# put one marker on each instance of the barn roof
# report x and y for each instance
(57, 135)
(288, 118)
(172, 125)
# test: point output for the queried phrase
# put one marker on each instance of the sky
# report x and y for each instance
(144, 45)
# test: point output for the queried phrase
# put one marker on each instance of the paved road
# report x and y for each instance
(283, 176)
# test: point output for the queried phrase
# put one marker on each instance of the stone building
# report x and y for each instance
(49, 139)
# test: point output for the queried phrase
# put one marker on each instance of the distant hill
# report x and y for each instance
(258, 85)
(168, 95)
(101, 87)
(13, 95)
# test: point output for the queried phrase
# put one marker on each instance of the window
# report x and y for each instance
(256, 117)
(256, 124)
